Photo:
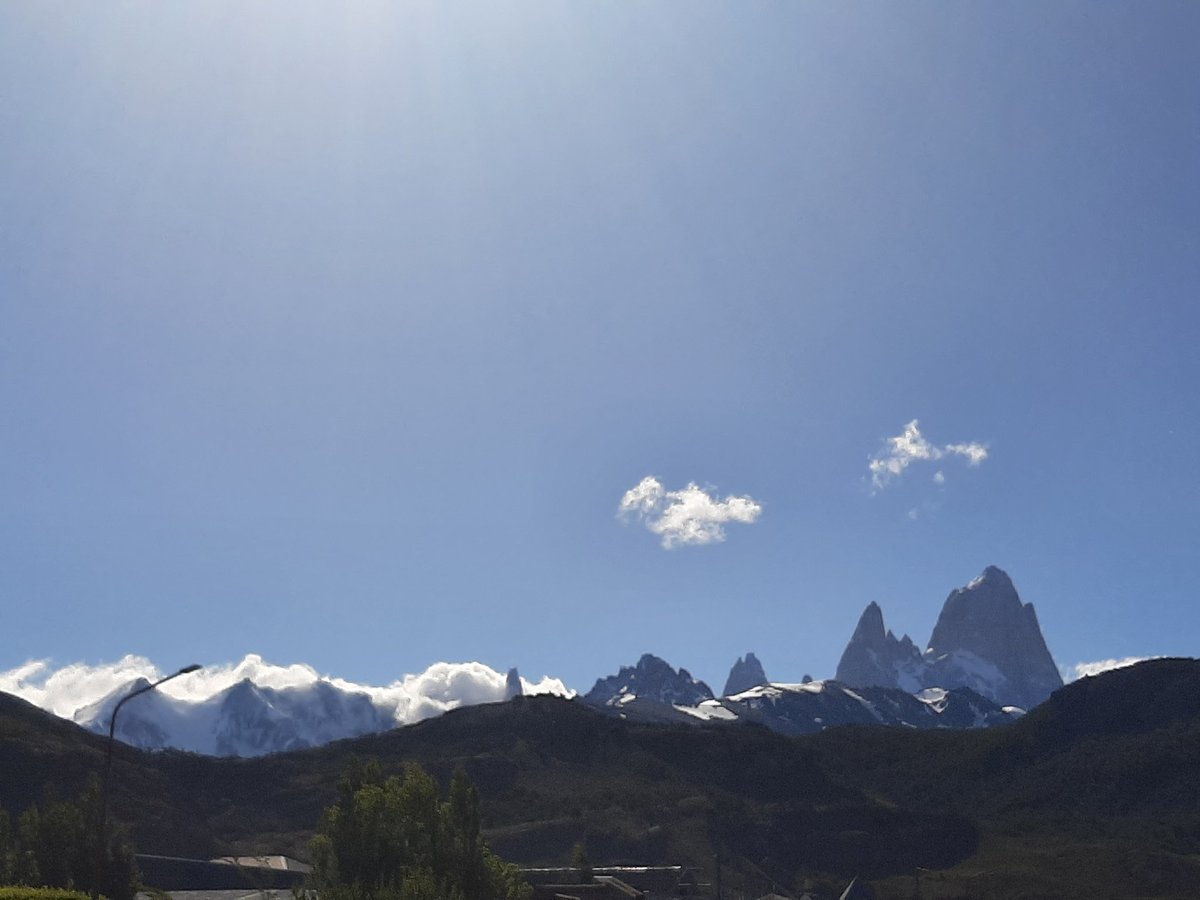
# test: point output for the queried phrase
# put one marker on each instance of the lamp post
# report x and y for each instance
(102, 843)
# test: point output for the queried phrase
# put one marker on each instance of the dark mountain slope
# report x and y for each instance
(1125, 742)
(37, 747)
(1153, 694)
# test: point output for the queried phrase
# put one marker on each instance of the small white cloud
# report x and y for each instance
(441, 687)
(687, 516)
(1084, 669)
(914, 514)
(911, 446)
(939, 477)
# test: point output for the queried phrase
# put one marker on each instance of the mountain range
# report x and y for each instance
(985, 663)
(1095, 793)
(249, 719)
(652, 691)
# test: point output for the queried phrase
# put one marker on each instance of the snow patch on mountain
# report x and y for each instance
(709, 711)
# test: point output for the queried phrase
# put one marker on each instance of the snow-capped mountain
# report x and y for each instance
(652, 680)
(245, 719)
(653, 691)
(985, 639)
(255, 707)
(746, 673)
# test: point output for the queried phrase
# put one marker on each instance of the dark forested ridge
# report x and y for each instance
(1098, 790)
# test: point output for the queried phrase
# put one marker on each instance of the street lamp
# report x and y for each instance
(102, 846)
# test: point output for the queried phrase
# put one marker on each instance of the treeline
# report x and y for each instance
(57, 845)
(397, 839)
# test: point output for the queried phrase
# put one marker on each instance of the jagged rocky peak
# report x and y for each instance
(971, 614)
(985, 639)
(651, 680)
(512, 684)
(874, 656)
(746, 673)
(870, 624)
(988, 640)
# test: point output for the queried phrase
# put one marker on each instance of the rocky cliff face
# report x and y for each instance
(652, 680)
(985, 622)
(746, 673)
(985, 639)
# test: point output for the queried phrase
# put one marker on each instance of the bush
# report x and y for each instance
(40, 893)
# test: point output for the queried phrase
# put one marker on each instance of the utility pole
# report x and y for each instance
(102, 836)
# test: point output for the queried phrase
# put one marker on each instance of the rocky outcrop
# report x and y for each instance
(875, 657)
(512, 684)
(746, 673)
(652, 680)
(985, 639)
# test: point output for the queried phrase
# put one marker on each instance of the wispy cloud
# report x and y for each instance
(1084, 669)
(910, 446)
(687, 516)
(443, 686)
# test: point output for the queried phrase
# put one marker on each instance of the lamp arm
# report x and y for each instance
(102, 835)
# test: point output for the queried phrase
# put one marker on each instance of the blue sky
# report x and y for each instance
(338, 335)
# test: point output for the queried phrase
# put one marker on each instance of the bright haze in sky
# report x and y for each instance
(370, 336)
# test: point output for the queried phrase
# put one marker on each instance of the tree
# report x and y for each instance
(27, 871)
(396, 839)
(462, 811)
(582, 863)
(6, 848)
(57, 848)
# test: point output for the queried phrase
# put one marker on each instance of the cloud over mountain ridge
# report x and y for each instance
(68, 689)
